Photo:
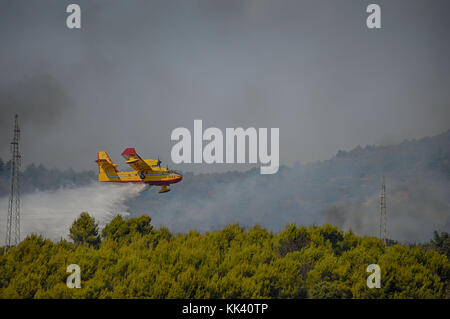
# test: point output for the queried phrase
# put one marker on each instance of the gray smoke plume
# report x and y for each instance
(343, 191)
(39, 100)
(414, 211)
(139, 69)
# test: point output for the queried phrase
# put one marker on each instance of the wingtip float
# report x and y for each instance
(145, 171)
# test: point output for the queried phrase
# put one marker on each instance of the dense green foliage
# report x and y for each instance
(441, 243)
(84, 230)
(135, 260)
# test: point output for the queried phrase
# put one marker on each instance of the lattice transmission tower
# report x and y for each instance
(383, 216)
(13, 219)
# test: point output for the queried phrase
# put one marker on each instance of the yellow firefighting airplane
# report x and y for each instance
(147, 171)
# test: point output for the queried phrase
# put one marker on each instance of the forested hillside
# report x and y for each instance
(131, 259)
(427, 156)
(343, 191)
(41, 178)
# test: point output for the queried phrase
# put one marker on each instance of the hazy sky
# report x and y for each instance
(138, 69)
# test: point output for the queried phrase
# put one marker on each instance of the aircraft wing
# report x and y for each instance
(135, 161)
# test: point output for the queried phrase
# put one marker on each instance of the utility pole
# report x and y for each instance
(13, 219)
(383, 217)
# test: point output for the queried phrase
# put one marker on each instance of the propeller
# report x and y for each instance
(159, 162)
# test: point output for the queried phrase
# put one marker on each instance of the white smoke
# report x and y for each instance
(51, 213)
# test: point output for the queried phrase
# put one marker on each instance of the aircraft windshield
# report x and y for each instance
(176, 172)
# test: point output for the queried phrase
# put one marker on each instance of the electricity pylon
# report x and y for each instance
(13, 219)
(383, 217)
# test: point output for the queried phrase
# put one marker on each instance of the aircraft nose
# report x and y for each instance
(176, 177)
